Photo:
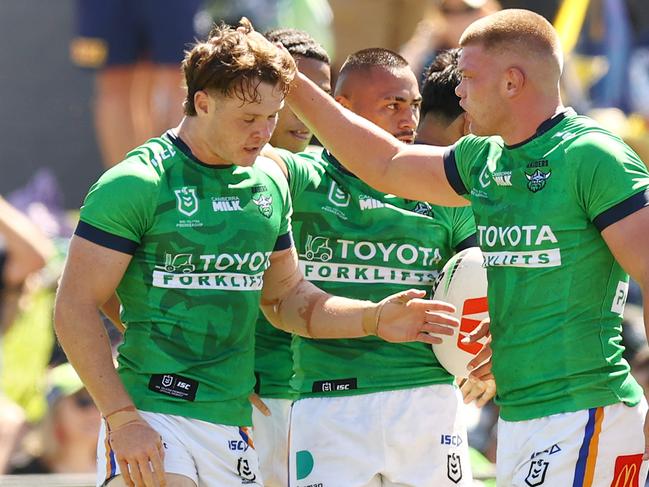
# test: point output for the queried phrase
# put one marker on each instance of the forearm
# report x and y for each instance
(310, 312)
(85, 342)
(351, 138)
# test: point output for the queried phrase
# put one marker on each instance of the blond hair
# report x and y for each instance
(515, 29)
(233, 62)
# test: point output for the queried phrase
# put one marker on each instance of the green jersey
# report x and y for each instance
(356, 242)
(556, 294)
(200, 237)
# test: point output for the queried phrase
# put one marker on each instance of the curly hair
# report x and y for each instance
(233, 62)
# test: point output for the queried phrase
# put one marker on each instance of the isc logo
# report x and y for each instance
(473, 312)
(237, 445)
(183, 385)
(455, 440)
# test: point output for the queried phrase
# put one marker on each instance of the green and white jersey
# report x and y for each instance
(200, 237)
(356, 242)
(556, 294)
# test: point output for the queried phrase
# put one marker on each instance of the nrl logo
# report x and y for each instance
(264, 203)
(187, 200)
(536, 181)
(423, 209)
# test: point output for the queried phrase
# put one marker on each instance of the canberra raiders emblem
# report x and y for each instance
(536, 181)
(264, 203)
(423, 208)
(187, 200)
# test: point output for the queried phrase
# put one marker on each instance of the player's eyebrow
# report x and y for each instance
(402, 99)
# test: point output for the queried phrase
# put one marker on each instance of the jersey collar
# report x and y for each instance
(184, 148)
(545, 126)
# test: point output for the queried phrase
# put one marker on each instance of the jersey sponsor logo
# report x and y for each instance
(537, 180)
(163, 155)
(317, 248)
(619, 300)
(237, 445)
(454, 468)
(208, 271)
(264, 203)
(473, 312)
(259, 188)
(245, 471)
(226, 203)
(368, 203)
(338, 196)
(536, 474)
(330, 272)
(503, 178)
(627, 471)
(174, 385)
(453, 440)
(338, 385)
(187, 200)
(513, 236)
(532, 258)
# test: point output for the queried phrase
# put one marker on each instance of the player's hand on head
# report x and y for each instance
(406, 317)
(480, 391)
(139, 452)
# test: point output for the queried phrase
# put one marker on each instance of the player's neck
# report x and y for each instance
(525, 121)
(190, 132)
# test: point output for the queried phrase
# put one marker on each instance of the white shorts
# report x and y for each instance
(410, 438)
(212, 455)
(271, 441)
(600, 447)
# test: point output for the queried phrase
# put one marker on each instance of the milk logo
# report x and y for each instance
(503, 178)
(338, 196)
(264, 203)
(536, 181)
(187, 200)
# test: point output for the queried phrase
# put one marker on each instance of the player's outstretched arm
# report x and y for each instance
(628, 240)
(375, 156)
(295, 305)
(90, 277)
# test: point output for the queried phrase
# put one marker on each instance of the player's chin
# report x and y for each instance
(248, 156)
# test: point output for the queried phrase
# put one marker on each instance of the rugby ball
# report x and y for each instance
(462, 283)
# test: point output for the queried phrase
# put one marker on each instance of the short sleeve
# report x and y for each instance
(300, 170)
(271, 169)
(460, 161)
(119, 207)
(463, 225)
(612, 182)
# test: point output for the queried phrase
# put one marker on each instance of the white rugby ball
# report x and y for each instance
(462, 283)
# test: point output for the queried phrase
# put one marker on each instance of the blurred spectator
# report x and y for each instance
(23, 251)
(442, 30)
(135, 48)
(67, 435)
(361, 24)
(263, 14)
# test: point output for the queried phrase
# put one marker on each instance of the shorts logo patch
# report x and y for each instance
(174, 386)
(536, 475)
(334, 385)
(245, 472)
(454, 467)
(627, 471)
(304, 464)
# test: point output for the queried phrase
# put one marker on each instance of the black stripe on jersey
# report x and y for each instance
(105, 239)
(284, 242)
(467, 243)
(621, 210)
(452, 174)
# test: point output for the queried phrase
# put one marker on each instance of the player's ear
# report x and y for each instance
(514, 81)
(344, 101)
(201, 102)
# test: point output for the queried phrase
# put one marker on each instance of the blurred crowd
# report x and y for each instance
(48, 423)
